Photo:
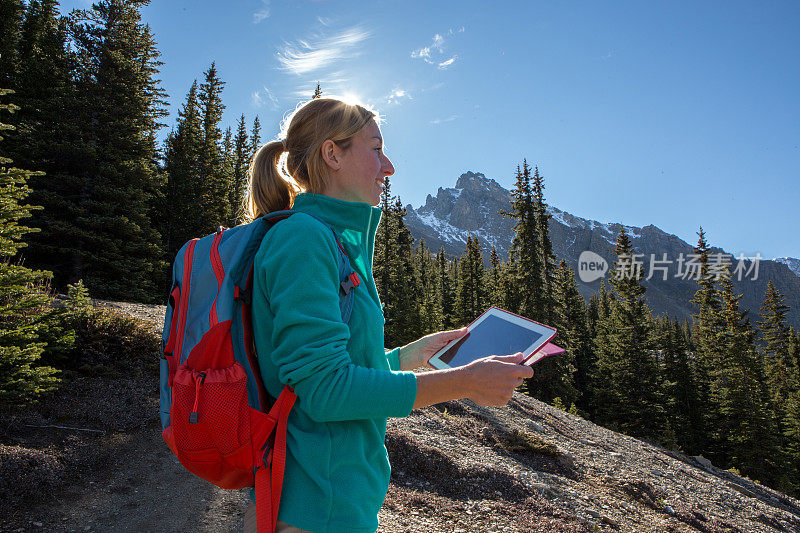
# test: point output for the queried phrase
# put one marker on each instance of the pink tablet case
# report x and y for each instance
(545, 351)
(550, 349)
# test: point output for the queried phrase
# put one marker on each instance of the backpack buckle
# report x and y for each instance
(350, 282)
(241, 295)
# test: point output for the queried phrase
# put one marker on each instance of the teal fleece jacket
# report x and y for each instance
(337, 467)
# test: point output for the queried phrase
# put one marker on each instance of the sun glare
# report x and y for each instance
(352, 99)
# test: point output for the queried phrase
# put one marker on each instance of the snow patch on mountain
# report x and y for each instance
(443, 228)
(792, 262)
(609, 231)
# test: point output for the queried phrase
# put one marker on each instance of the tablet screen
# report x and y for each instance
(492, 336)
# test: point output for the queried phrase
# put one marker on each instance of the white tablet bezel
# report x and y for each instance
(548, 333)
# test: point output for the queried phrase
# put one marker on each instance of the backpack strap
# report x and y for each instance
(269, 476)
(174, 359)
(348, 277)
(348, 280)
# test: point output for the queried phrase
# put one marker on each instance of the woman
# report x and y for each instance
(347, 385)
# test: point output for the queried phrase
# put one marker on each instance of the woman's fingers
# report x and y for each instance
(523, 370)
(452, 334)
(497, 377)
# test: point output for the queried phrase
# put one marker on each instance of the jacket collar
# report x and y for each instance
(358, 216)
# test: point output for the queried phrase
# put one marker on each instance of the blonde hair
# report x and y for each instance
(276, 180)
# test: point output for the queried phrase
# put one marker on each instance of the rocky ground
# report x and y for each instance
(457, 467)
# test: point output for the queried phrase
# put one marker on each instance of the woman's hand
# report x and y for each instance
(419, 352)
(493, 379)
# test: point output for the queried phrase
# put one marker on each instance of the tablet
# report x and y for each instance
(497, 332)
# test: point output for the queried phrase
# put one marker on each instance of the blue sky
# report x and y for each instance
(634, 112)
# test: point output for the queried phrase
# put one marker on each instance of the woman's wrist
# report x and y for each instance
(444, 385)
(407, 358)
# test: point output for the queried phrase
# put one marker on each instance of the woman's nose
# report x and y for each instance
(388, 168)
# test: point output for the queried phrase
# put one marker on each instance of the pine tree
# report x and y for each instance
(23, 300)
(49, 137)
(453, 269)
(241, 162)
(471, 292)
(117, 251)
(548, 258)
(741, 393)
(11, 16)
(708, 353)
(683, 409)
(430, 312)
(182, 158)
(495, 283)
(629, 381)
(406, 289)
(603, 391)
(782, 377)
(255, 138)
(791, 418)
(385, 248)
(525, 263)
(566, 376)
(214, 185)
(394, 273)
(227, 175)
(445, 289)
(592, 313)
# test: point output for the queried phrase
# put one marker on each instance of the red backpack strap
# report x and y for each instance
(219, 273)
(175, 359)
(269, 477)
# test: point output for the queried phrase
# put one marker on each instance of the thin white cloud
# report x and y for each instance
(304, 56)
(444, 64)
(260, 98)
(607, 56)
(262, 13)
(441, 120)
(434, 52)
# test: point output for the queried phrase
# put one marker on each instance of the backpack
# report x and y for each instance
(216, 415)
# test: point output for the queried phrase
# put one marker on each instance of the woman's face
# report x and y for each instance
(363, 168)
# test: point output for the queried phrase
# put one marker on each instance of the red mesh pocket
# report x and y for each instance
(210, 418)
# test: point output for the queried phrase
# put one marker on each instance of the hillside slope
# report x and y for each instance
(456, 467)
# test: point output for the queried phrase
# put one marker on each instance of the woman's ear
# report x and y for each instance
(331, 154)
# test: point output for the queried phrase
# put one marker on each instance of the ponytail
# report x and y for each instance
(269, 189)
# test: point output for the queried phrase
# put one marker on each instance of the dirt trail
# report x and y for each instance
(143, 488)
(132, 481)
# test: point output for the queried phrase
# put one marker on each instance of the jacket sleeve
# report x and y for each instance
(394, 358)
(301, 279)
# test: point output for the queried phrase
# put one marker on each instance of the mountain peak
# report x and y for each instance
(470, 179)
